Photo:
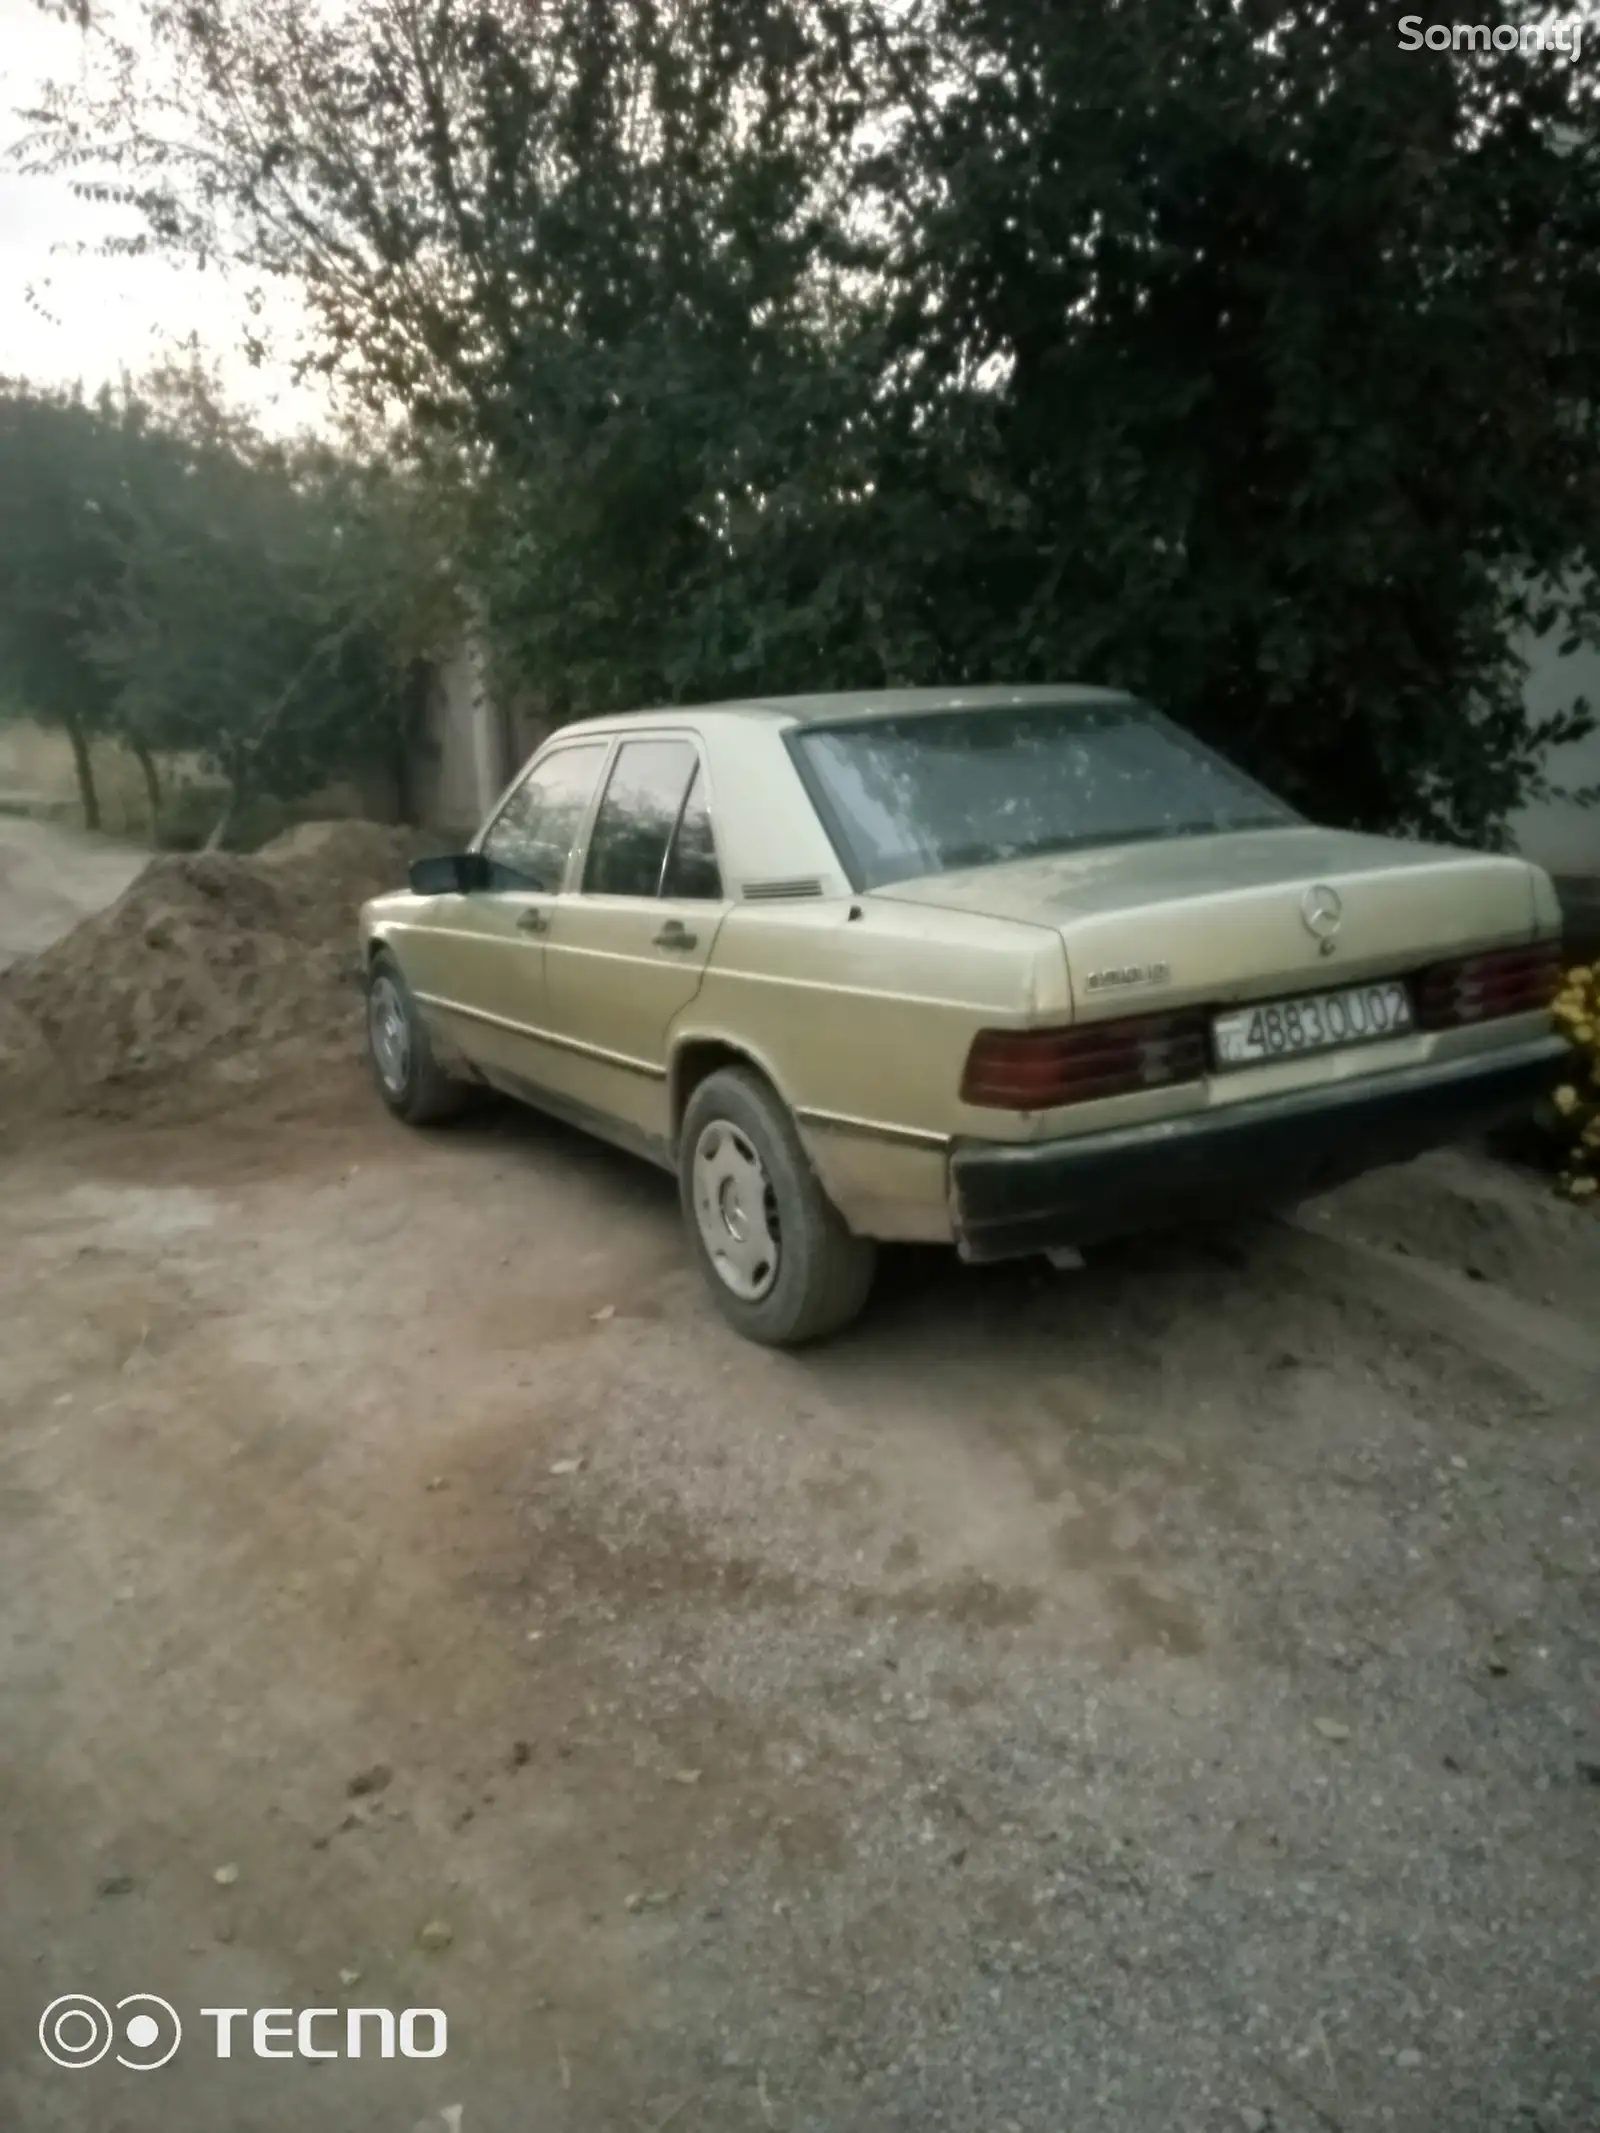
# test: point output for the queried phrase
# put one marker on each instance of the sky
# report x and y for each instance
(88, 319)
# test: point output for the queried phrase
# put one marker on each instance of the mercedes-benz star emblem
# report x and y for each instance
(1320, 914)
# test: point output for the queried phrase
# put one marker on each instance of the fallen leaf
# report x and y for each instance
(225, 1876)
(1331, 1728)
(566, 1466)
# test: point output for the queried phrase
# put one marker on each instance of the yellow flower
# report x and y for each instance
(1584, 1188)
(1566, 1099)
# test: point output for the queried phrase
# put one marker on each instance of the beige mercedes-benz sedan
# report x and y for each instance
(1013, 969)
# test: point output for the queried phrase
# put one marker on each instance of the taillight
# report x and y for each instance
(1037, 1069)
(1506, 981)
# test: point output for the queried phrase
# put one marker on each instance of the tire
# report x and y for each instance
(784, 1271)
(410, 1079)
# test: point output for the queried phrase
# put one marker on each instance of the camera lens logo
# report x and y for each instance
(76, 2031)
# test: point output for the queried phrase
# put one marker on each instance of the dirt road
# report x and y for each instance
(1163, 1697)
(51, 877)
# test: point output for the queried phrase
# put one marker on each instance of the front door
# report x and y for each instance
(627, 953)
(485, 969)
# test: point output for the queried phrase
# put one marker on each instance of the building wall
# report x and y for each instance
(460, 762)
(472, 746)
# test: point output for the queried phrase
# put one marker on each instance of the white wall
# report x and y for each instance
(1560, 836)
(473, 744)
(463, 768)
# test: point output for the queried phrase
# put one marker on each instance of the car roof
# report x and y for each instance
(848, 704)
(887, 703)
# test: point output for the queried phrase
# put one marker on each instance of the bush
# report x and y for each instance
(1577, 1012)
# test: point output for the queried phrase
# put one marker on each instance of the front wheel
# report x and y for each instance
(410, 1079)
(780, 1263)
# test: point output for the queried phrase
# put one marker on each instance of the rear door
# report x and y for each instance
(628, 952)
(486, 964)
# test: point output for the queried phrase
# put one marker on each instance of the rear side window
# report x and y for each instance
(530, 841)
(692, 870)
(634, 828)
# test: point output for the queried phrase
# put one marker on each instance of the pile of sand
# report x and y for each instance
(210, 970)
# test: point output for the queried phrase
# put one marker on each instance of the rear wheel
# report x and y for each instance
(409, 1077)
(781, 1265)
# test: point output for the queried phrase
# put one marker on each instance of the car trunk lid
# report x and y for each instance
(1246, 915)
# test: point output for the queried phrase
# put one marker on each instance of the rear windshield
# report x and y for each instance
(934, 791)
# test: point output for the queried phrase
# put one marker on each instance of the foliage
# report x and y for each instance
(1326, 424)
(1577, 1012)
(1227, 351)
(55, 568)
(200, 590)
(265, 615)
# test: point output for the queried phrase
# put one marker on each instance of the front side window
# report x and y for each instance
(936, 791)
(530, 841)
(634, 828)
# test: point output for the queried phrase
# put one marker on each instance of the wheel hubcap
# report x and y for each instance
(736, 1210)
(389, 1033)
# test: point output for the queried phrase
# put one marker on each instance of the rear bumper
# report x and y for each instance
(1009, 1200)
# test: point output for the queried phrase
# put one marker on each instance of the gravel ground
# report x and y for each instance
(1159, 1697)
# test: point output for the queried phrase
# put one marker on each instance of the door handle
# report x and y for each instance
(533, 921)
(673, 935)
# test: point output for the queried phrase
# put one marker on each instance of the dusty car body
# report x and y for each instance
(1008, 969)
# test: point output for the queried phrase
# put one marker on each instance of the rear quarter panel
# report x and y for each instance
(872, 1017)
(863, 1025)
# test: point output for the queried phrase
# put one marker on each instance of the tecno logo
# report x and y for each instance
(331, 2032)
(78, 2032)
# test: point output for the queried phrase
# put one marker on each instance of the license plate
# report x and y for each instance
(1359, 1014)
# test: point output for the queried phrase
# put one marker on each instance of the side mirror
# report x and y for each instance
(451, 874)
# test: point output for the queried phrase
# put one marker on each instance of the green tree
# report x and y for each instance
(598, 252)
(272, 601)
(1277, 343)
(57, 467)
(1225, 351)
(173, 579)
